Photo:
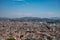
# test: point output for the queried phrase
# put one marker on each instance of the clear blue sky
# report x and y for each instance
(29, 8)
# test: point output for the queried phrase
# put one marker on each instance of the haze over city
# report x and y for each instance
(29, 19)
(29, 8)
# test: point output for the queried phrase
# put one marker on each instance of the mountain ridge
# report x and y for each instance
(34, 19)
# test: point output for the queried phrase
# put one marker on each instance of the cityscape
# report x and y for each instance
(29, 19)
(29, 30)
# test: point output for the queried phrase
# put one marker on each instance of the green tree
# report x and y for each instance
(10, 39)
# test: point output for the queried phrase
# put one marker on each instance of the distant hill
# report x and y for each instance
(32, 19)
(4, 19)
(55, 18)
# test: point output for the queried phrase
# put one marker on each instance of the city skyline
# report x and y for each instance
(29, 8)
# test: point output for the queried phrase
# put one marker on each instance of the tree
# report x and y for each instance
(10, 39)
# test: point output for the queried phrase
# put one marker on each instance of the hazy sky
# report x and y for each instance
(29, 8)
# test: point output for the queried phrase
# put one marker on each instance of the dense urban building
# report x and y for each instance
(29, 30)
